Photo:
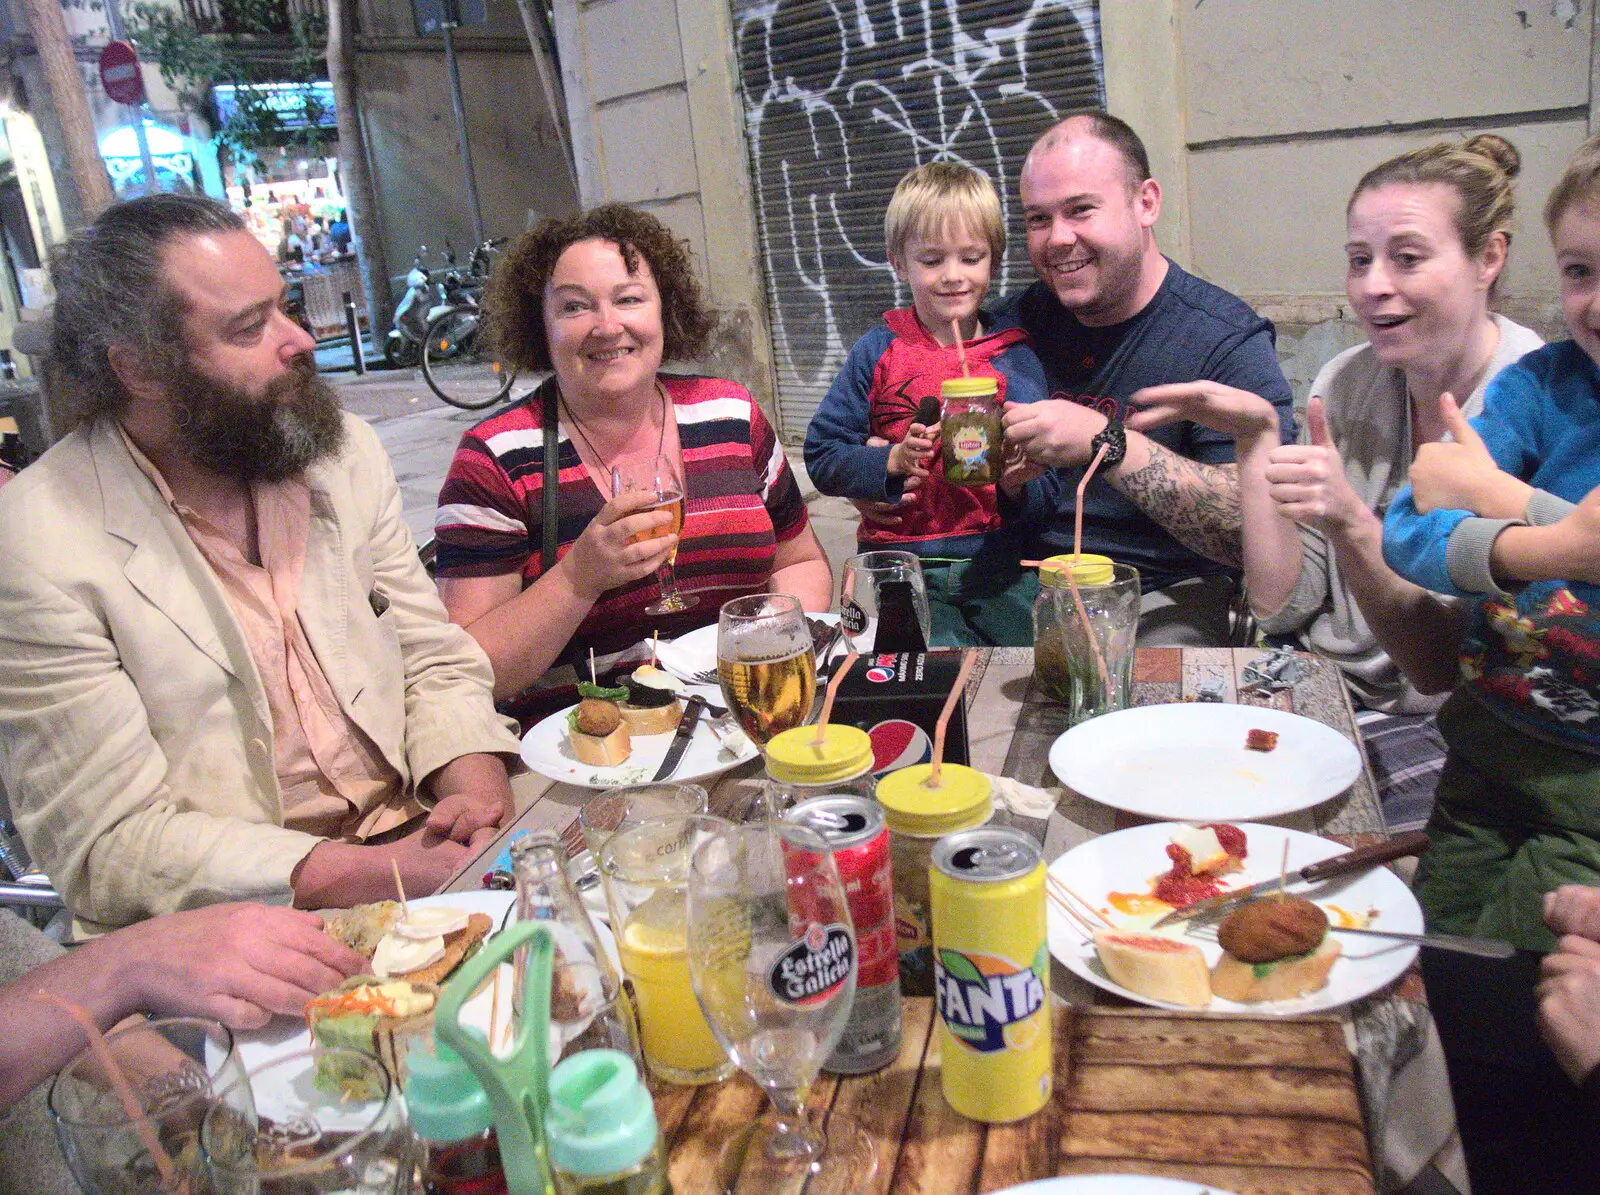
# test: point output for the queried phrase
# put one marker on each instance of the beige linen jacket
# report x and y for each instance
(136, 745)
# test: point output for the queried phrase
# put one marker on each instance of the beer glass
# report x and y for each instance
(657, 477)
(772, 955)
(174, 1068)
(766, 663)
(646, 871)
(888, 592)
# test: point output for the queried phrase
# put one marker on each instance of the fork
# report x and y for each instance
(1482, 947)
(707, 676)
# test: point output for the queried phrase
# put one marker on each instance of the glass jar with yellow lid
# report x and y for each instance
(800, 767)
(971, 431)
(1072, 646)
(918, 816)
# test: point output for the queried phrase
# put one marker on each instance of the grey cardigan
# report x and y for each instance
(1369, 420)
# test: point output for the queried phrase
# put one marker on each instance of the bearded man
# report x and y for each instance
(224, 673)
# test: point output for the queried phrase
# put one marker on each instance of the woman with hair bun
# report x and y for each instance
(1428, 234)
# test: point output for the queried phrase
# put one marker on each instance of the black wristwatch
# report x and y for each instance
(1115, 439)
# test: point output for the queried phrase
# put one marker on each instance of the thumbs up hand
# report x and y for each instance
(1459, 474)
(1307, 481)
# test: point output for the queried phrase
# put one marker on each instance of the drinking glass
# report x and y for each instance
(646, 871)
(772, 955)
(321, 1120)
(1066, 660)
(887, 589)
(174, 1067)
(657, 477)
(622, 808)
(766, 663)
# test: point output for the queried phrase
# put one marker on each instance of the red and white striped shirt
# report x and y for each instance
(741, 501)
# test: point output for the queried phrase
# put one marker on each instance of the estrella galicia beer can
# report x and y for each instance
(991, 966)
(854, 829)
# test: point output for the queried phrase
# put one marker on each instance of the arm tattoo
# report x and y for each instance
(1197, 504)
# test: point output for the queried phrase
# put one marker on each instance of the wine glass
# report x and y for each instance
(766, 663)
(656, 476)
(772, 958)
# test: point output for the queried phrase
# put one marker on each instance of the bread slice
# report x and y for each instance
(652, 719)
(1155, 967)
(457, 946)
(1252, 983)
(350, 1015)
(605, 752)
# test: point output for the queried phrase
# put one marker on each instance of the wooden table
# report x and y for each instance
(1286, 1103)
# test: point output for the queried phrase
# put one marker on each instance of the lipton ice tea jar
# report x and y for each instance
(970, 427)
(918, 815)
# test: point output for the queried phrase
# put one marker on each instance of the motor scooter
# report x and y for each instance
(422, 301)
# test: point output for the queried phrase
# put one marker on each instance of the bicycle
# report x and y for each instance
(458, 362)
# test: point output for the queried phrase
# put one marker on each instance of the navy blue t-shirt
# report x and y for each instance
(1189, 331)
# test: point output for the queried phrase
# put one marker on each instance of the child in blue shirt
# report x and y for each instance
(943, 230)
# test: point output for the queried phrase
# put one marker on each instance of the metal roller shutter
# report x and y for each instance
(841, 98)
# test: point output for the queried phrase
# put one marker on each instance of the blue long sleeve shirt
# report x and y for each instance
(1533, 657)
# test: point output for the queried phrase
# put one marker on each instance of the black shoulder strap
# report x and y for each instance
(549, 392)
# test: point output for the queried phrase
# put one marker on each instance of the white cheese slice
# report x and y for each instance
(431, 922)
(1205, 849)
(400, 956)
(655, 678)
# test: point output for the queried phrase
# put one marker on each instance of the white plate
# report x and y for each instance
(697, 652)
(1129, 860)
(285, 1035)
(1187, 761)
(1111, 1184)
(547, 750)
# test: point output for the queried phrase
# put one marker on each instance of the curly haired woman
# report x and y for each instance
(600, 300)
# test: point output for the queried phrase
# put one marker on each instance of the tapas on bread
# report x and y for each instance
(1277, 955)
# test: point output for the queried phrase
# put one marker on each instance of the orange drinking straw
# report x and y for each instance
(1077, 525)
(968, 659)
(1072, 580)
(131, 1104)
(961, 349)
(827, 702)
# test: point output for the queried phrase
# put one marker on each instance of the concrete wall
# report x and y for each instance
(653, 106)
(1263, 114)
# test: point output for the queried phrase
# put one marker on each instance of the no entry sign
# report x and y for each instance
(120, 73)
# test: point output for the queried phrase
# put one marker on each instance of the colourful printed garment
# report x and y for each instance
(741, 502)
(1537, 664)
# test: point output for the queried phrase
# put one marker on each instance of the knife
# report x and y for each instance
(680, 741)
(1359, 859)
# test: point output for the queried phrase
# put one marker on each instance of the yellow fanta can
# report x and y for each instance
(991, 966)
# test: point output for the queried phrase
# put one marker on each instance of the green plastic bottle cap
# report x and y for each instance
(795, 756)
(969, 388)
(444, 1100)
(1087, 569)
(602, 1120)
(962, 800)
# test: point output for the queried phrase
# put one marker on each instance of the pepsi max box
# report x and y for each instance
(896, 698)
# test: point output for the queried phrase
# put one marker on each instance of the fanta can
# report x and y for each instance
(991, 964)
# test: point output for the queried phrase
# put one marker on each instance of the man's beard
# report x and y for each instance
(269, 437)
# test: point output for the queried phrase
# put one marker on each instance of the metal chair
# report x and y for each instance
(22, 886)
